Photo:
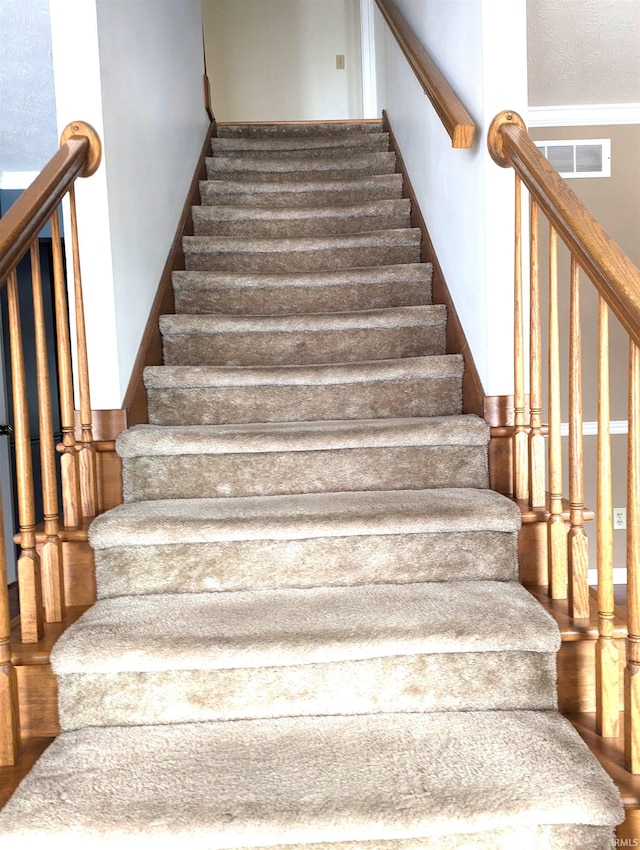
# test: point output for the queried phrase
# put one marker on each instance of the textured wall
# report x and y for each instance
(583, 51)
(28, 134)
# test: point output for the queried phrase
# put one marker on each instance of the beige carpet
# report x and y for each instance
(309, 632)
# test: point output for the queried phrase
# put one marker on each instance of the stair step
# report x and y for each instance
(322, 539)
(300, 129)
(188, 462)
(186, 658)
(381, 389)
(218, 340)
(263, 222)
(301, 146)
(311, 292)
(457, 779)
(263, 170)
(320, 253)
(302, 193)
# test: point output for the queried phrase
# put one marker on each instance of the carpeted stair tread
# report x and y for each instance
(301, 129)
(303, 338)
(303, 292)
(203, 253)
(444, 366)
(385, 782)
(382, 389)
(297, 167)
(394, 317)
(310, 515)
(162, 441)
(274, 628)
(263, 222)
(180, 658)
(186, 462)
(323, 147)
(302, 193)
(311, 146)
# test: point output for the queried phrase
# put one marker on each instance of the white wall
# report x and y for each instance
(151, 62)
(275, 60)
(133, 69)
(467, 200)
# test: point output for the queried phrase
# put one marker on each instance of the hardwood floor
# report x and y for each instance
(10, 777)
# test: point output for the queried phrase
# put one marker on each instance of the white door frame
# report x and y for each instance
(368, 52)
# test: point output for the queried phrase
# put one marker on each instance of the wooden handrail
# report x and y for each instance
(452, 113)
(612, 272)
(78, 156)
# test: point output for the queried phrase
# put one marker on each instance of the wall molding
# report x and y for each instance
(584, 115)
(368, 49)
(590, 429)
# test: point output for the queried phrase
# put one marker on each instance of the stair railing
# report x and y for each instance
(450, 109)
(40, 567)
(617, 281)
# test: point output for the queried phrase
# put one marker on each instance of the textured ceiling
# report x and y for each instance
(583, 51)
(28, 134)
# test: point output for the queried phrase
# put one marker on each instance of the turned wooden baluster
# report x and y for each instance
(632, 670)
(51, 551)
(86, 450)
(607, 655)
(520, 435)
(537, 449)
(69, 472)
(9, 711)
(578, 544)
(31, 613)
(557, 533)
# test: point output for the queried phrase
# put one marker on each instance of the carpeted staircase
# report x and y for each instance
(309, 631)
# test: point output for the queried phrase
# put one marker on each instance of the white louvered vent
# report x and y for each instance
(579, 157)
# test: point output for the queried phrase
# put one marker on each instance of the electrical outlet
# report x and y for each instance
(619, 518)
(340, 61)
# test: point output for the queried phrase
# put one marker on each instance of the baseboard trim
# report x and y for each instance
(150, 351)
(472, 390)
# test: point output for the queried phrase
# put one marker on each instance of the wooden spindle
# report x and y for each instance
(9, 709)
(578, 544)
(537, 449)
(520, 435)
(607, 655)
(31, 613)
(51, 551)
(69, 472)
(556, 529)
(632, 670)
(86, 451)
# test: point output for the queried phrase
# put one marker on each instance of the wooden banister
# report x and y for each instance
(617, 281)
(40, 567)
(452, 113)
(607, 266)
(79, 156)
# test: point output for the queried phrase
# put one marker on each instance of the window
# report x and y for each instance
(579, 157)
